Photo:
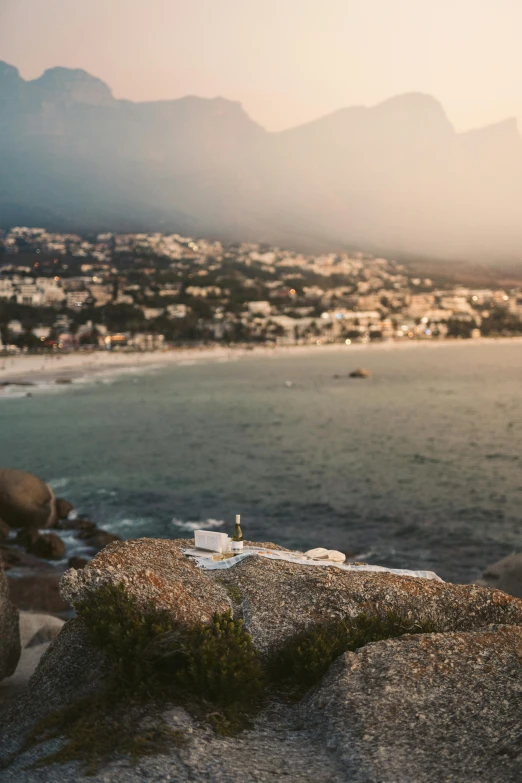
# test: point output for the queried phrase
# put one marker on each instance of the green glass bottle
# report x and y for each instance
(237, 537)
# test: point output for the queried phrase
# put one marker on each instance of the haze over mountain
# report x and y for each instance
(392, 178)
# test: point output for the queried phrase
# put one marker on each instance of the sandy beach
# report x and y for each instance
(44, 371)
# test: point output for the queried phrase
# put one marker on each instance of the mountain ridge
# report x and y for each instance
(394, 175)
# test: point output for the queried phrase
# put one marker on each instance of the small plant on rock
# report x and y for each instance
(306, 657)
(213, 669)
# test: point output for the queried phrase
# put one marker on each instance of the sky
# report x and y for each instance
(286, 61)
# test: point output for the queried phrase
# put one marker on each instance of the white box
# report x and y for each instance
(214, 542)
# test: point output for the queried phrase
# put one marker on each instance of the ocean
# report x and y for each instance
(418, 466)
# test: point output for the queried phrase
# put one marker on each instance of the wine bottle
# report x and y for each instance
(237, 537)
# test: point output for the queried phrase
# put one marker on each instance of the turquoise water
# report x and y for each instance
(418, 466)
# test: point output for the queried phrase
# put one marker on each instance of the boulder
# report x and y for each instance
(278, 599)
(63, 508)
(418, 709)
(360, 372)
(9, 630)
(425, 709)
(48, 546)
(37, 591)
(75, 524)
(505, 575)
(25, 500)
(97, 538)
(16, 557)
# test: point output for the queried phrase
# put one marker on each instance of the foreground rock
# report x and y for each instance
(9, 630)
(419, 709)
(36, 633)
(25, 500)
(505, 575)
(428, 708)
(276, 600)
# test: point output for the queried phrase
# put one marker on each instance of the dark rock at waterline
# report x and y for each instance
(77, 562)
(38, 591)
(4, 530)
(48, 546)
(63, 381)
(9, 630)
(74, 524)
(506, 575)
(63, 508)
(361, 372)
(15, 556)
(25, 500)
(4, 384)
(97, 538)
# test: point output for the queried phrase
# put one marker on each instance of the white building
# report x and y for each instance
(260, 308)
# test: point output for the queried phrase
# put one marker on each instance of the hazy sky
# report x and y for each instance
(287, 61)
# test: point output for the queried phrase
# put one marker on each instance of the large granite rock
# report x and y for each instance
(25, 500)
(9, 630)
(152, 570)
(426, 709)
(505, 574)
(419, 709)
(277, 599)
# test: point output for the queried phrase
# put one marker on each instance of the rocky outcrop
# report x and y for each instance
(25, 500)
(425, 709)
(278, 599)
(9, 631)
(505, 575)
(416, 709)
(152, 570)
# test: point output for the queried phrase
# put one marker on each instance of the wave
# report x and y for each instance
(197, 525)
(58, 483)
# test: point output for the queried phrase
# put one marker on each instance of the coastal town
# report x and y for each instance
(143, 292)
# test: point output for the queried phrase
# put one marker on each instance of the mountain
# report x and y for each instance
(395, 177)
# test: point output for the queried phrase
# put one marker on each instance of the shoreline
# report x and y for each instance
(19, 373)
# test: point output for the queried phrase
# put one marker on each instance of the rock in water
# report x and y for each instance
(9, 630)
(25, 500)
(361, 372)
(48, 546)
(505, 575)
(63, 508)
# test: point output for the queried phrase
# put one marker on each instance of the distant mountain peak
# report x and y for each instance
(74, 84)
